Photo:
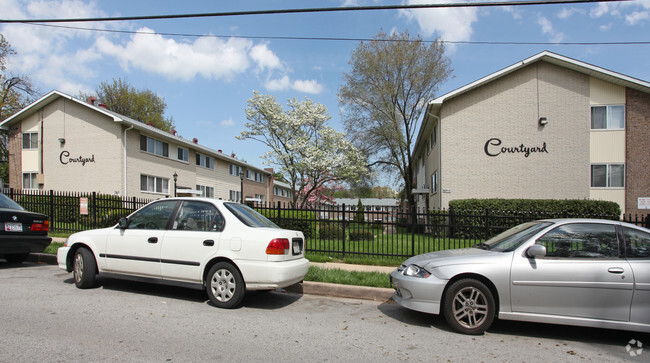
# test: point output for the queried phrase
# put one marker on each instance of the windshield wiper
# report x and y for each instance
(482, 245)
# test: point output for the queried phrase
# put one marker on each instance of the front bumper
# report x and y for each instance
(416, 293)
(62, 258)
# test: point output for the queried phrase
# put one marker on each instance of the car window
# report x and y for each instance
(6, 202)
(514, 237)
(581, 240)
(638, 243)
(152, 216)
(198, 216)
(249, 216)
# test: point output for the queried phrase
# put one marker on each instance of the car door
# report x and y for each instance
(193, 238)
(135, 250)
(581, 275)
(637, 244)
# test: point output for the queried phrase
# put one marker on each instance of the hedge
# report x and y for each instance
(362, 236)
(297, 220)
(469, 215)
(331, 231)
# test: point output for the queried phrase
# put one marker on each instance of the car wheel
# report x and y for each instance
(225, 286)
(469, 306)
(84, 269)
(16, 257)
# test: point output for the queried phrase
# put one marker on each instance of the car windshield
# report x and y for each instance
(249, 217)
(513, 238)
(6, 202)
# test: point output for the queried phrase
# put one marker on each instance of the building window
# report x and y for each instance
(260, 197)
(235, 195)
(154, 146)
(235, 169)
(154, 184)
(434, 182)
(204, 161)
(280, 192)
(183, 154)
(30, 140)
(206, 191)
(608, 117)
(29, 181)
(432, 140)
(259, 177)
(608, 176)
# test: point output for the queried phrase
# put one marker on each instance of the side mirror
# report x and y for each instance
(536, 251)
(123, 223)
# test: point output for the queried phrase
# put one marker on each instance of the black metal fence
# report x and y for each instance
(337, 231)
(73, 212)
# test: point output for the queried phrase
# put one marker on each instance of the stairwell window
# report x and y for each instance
(608, 176)
(30, 140)
(608, 117)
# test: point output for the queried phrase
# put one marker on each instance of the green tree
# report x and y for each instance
(141, 105)
(16, 92)
(392, 78)
(359, 215)
(308, 152)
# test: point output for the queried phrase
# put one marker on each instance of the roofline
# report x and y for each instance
(586, 68)
(54, 94)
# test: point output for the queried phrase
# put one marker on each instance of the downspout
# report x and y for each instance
(125, 160)
(439, 144)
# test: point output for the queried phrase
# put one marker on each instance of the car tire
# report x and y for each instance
(16, 257)
(469, 307)
(225, 286)
(84, 269)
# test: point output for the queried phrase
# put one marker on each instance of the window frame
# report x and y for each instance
(33, 140)
(183, 154)
(608, 175)
(154, 146)
(204, 161)
(154, 181)
(608, 113)
(33, 183)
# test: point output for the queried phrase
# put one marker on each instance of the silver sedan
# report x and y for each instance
(587, 272)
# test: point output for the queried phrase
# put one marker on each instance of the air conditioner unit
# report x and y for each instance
(40, 178)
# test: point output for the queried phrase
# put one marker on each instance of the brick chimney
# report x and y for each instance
(92, 100)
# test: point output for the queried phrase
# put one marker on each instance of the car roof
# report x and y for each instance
(587, 220)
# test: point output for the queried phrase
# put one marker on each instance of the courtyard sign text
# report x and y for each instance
(65, 158)
(493, 148)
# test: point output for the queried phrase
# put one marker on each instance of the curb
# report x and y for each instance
(306, 287)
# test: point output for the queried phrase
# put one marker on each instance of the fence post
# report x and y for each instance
(343, 221)
(487, 224)
(414, 227)
(93, 207)
(647, 221)
(11, 193)
(52, 217)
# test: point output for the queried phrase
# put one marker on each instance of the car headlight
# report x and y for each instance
(416, 271)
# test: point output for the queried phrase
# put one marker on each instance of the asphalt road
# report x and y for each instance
(45, 318)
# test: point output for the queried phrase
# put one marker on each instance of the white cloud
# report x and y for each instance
(265, 58)
(547, 28)
(453, 24)
(228, 122)
(310, 86)
(566, 13)
(208, 57)
(637, 17)
(278, 84)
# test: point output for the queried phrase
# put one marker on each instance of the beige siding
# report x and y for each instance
(604, 93)
(509, 109)
(613, 195)
(607, 146)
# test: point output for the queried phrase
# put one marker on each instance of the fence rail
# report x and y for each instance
(338, 231)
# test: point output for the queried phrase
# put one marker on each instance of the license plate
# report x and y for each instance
(13, 227)
(296, 247)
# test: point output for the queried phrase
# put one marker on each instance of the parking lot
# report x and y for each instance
(45, 318)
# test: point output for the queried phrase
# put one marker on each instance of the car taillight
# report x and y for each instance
(278, 246)
(41, 226)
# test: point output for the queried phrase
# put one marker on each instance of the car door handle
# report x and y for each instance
(208, 242)
(615, 270)
(153, 240)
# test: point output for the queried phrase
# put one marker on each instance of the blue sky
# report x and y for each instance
(206, 80)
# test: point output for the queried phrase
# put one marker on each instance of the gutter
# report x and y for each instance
(125, 161)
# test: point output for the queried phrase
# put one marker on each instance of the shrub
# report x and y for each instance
(359, 215)
(297, 220)
(471, 215)
(362, 236)
(331, 232)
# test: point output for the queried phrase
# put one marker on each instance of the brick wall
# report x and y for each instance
(637, 149)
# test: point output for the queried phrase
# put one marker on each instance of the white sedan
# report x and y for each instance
(225, 248)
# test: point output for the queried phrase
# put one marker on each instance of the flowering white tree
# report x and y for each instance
(308, 152)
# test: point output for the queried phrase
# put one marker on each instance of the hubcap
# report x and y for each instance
(470, 307)
(78, 267)
(223, 285)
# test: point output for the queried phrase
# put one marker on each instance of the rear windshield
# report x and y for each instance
(249, 217)
(6, 202)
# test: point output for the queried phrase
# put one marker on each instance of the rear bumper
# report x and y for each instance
(14, 244)
(262, 275)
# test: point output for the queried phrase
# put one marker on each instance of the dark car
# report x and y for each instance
(21, 231)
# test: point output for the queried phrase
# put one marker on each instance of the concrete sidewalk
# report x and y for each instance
(306, 287)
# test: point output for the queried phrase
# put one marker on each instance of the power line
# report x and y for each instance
(311, 10)
(189, 35)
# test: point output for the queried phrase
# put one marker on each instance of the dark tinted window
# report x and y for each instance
(638, 243)
(152, 216)
(581, 240)
(249, 217)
